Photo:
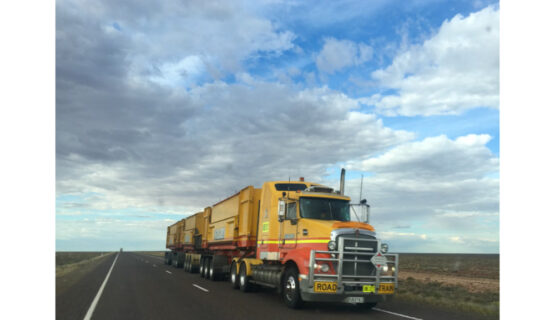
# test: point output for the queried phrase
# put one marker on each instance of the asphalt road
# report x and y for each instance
(143, 287)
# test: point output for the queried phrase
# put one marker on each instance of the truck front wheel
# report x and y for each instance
(290, 288)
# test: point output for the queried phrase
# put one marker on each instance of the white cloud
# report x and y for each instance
(185, 72)
(436, 158)
(455, 70)
(235, 134)
(438, 187)
(338, 54)
(173, 43)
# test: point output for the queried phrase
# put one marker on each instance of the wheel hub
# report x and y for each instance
(290, 287)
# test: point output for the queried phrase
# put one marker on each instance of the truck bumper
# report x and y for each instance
(349, 285)
(307, 294)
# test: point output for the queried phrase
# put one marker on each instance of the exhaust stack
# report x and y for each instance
(342, 182)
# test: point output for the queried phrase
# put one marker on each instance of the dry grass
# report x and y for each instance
(464, 282)
(67, 257)
(153, 253)
(463, 265)
(67, 262)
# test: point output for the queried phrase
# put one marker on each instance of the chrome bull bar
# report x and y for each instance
(352, 279)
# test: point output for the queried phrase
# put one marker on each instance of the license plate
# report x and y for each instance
(386, 288)
(354, 300)
(326, 287)
(369, 289)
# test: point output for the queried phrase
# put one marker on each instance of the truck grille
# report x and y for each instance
(351, 248)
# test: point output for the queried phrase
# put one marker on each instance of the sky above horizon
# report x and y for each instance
(165, 108)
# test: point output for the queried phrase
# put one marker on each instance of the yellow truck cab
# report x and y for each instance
(306, 229)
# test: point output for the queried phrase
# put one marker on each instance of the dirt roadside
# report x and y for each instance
(471, 284)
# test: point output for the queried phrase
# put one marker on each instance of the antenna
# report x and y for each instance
(360, 197)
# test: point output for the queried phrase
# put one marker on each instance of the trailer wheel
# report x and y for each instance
(233, 278)
(211, 272)
(186, 263)
(192, 267)
(206, 265)
(244, 284)
(290, 288)
(201, 270)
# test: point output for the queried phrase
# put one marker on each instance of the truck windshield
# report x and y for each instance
(325, 209)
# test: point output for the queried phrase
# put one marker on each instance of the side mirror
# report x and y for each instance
(281, 210)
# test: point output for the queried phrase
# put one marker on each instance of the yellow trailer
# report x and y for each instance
(174, 242)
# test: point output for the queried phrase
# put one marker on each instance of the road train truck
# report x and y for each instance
(299, 237)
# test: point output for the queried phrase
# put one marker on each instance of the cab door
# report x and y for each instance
(289, 226)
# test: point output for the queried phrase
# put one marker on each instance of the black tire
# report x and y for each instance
(192, 267)
(211, 271)
(233, 278)
(244, 284)
(201, 270)
(186, 264)
(206, 267)
(290, 288)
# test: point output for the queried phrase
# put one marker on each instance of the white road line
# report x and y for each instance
(97, 297)
(168, 272)
(396, 314)
(201, 288)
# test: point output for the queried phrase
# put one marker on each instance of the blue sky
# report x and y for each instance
(163, 109)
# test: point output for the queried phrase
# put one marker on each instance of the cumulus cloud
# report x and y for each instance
(455, 70)
(434, 176)
(235, 134)
(338, 54)
(436, 158)
(174, 42)
(438, 185)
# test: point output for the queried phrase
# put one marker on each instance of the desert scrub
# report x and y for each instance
(66, 257)
(449, 296)
(467, 265)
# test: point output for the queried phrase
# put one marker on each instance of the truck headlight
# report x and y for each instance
(322, 267)
(332, 246)
(385, 268)
(384, 248)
